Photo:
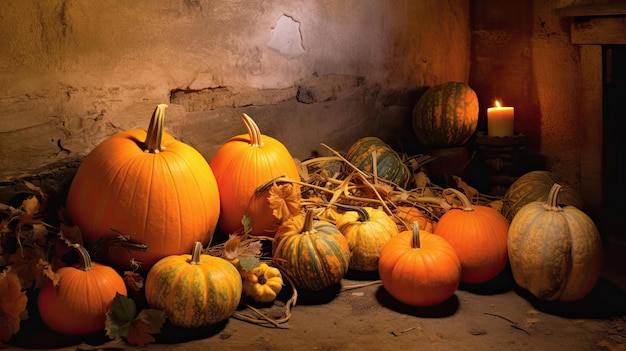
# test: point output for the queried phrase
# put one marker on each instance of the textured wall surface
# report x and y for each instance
(73, 72)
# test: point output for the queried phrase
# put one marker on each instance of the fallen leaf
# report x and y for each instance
(12, 304)
(284, 200)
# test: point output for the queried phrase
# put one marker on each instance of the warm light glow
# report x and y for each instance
(498, 104)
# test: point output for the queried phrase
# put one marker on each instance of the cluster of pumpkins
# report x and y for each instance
(163, 193)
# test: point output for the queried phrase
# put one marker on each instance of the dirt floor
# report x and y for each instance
(494, 316)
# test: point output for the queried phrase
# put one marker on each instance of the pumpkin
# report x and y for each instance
(446, 115)
(241, 165)
(314, 254)
(160, 192)
(406, 215)
(555, 252)
(388, 166)
(366, 229)
(194, 290)
(535, 186)
(419, 268)
(262, 283)
(83, 296)
(479, 236)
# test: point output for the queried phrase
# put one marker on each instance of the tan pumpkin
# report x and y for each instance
(555, 252)
(367, 229)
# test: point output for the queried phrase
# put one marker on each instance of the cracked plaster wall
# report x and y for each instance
(73, 73)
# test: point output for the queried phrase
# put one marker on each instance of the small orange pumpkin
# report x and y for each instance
(406, 215)
(419, 268)
(160, 192)
(479, 236)
(243, 164)
(83, 296)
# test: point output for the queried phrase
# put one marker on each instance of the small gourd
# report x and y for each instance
(262, 283)
(555, 252)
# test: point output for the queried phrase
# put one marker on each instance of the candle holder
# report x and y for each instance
(504, 159)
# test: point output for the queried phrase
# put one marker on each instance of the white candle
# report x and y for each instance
(500, 120)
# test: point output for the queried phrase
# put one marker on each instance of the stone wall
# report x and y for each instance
(73, 73)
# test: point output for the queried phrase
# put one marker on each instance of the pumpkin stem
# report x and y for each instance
(415, 238)
(467, 205)
(195, 253)
(155, 131)
(364, 216)
(85, 259)
(253, 130)
(553, 198)
(308, 222)
(262, 279)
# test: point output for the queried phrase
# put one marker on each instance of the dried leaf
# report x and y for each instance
(231, 247)
(25, 263)
(71, 235)
(149, 321)
(469, 191)
(48, 271)
(284, 200)
(133, 280)
(421, 179)
(12, 304)
(31, 205)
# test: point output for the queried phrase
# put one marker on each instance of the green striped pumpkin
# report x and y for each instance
(194, 290)
(535, 186)
(389, 165)
(312, 253)
(446, 115)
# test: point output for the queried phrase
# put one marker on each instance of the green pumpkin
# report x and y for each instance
(194, 290)
(389, 165)
(313, 253)
(535, 186)
(446, 115)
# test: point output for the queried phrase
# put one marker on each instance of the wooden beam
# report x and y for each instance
(599, 30)
(591, 143)
(591, 10)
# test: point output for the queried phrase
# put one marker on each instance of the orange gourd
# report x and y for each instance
(479, 236)
(241, 165)
(159, 192)
(405, 215)
(419, 268)
(80, 301)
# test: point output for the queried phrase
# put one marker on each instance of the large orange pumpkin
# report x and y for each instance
(83, 296)
(148, 186)
(419, 268)
(243, 164)
(479, 236)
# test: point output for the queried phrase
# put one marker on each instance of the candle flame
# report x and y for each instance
(498, 104)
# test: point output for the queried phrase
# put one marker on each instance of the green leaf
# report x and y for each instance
(115, 328)
(124, 308)
(247, 263)
(247, 223)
